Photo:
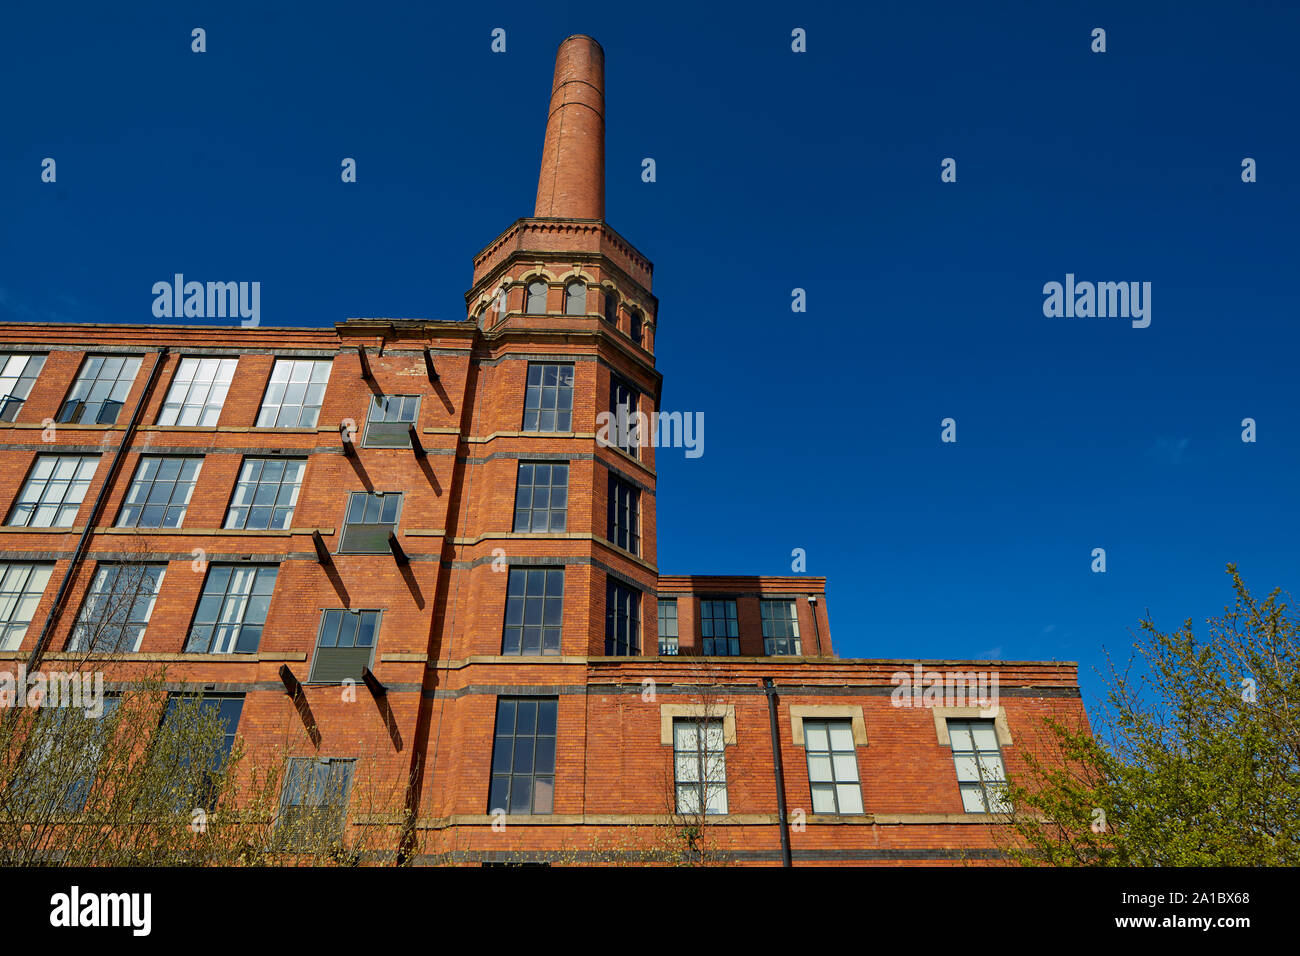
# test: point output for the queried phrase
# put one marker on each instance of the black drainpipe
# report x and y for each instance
(817, 628)
(35, 658)
(770, 691)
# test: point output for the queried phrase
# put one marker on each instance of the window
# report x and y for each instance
(294, 394)
(542, 496)
(266, 494)
(536, 304)
(622, 405)
(198, 391)
(389, 421)
(611, 307)
(719, 628)
(116, 610)
(668, 626)
(636, 326)
(624, 505)
(345, 645)
(832, 766)
(523, 756)
(780, 627)
(100, 389)
(575, 298)
(63, 762)
(18, 373)
(622, 619)
(159, 493)
(21, 587)
(548, 401)
(534, 611)
(699, 765)
(369, 521)
(232, 609)
(980, 775)
(314, 803)
(202, 725)
(52, 494)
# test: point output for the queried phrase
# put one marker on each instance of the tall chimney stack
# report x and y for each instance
(572, 181)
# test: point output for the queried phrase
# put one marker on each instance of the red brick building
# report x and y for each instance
(406, 550)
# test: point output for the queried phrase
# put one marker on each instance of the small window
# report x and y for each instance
(542, 496)
(635, 326)
(389, 422)
(719, 628)
(314, 803)
(980, 774)
(198, 391)
(344, 646)
(575, 298)
(622, 619)
(534, 611)
(523, 756)
(100, 390)
(159, 493)
(295, 393)
(548, 401)
(624, 519)
(117, 608)
(700, 765)
(611, 307)
(832, 766)
(536, 298)
(21, 587)
(232, 609)
(369, 521)
(266, 494)
(625, 428)
(780, 627)
(667, 626)
(18, 372)
(53, 492)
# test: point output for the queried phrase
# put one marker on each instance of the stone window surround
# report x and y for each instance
(670, 712)
(851, 712)
(943, 714)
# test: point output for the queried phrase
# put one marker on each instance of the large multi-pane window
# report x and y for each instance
(370, 519)
(622, 619)
(159, 493)
(232, 610)
(53, 492)
(18, 372)
(668, 625)
(534, 611)
(575, 298)
(624, 507)
(542, 496)
(536, 303)
(625, 431)
(314, 803)
(700, 765)
(719, 628)
(266, 493)
(100, 390)
(294, 394)
(548, 400)
(388, 425)
(832, 766)
(187, 733)
(780, 627)
(116, 610)
(980, 774)
(63, 762)
(198, 391)
(345, 645)
(21, 587)
(523, 756)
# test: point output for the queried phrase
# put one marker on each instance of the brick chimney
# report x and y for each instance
(572, 181)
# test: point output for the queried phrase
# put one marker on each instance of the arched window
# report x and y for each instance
(536, 298)
(635, 326)
(611, 307)
(575, 298)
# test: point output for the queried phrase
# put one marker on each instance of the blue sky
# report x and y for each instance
(775, 170)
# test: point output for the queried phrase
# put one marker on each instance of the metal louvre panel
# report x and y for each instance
(332, 665)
